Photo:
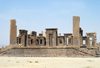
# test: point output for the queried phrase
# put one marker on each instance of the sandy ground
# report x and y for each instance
(48, 62)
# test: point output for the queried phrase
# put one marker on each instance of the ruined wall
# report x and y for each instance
(44, 52)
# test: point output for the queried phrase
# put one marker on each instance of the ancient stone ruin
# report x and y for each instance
(51, 45)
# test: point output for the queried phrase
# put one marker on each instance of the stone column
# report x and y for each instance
(17, 40)
(22, 40)
(27, 40)
(39, 41)
(70, 40)
(43, 41)
(95, 39)
(13, 31)
(85, 42)
(65, 41)
(54, 39)
(45, 33)
(50, 41)
(16, 32)
(47, 39)
(88, 42)
(81, 39)
(76, 38)
(58, 41)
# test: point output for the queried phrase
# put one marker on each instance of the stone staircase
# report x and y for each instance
(87, 52)
(4, 50)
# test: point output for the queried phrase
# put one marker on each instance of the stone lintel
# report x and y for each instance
(33, 31)
(67, 34)
(23, 30)
(90, 34)
(84, 37)
(51, 29)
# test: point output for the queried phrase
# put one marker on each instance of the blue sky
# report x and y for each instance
(36, 15)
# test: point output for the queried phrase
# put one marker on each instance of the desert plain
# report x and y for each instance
(48, 62)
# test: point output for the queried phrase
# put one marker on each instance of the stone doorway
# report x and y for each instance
(67, 41)
(51, 39)
(25, 41)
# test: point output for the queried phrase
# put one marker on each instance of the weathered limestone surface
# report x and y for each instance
(23, 37)
(51, 37)
(60, 40)
(81, 36)
(51, 45)
(70, 40)
(13, 31)
(44, 52)
(66, 36)
(93, 39)
(76, 38)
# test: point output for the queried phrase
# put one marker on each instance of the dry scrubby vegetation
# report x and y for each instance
(91, 60)
(17, 62)
(87, 67)
(8, 60)
(36, 62)
(32, 61)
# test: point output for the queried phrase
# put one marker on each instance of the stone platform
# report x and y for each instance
(43, 51)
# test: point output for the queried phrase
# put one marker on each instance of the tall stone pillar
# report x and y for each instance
(16, 32)
(76, 36)
(13, 31)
